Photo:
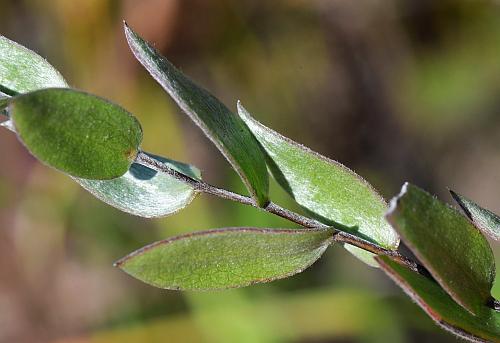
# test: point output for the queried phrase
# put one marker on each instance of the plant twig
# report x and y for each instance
(339, 236)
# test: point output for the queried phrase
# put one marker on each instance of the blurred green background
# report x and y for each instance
(397, 90)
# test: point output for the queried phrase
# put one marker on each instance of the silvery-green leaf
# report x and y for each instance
(454, 251)
(226, 130)
(142, 191)
(226, 258)
(326, 188)
(484, 219)
(145, 192)
(22, 70)
(441, 307)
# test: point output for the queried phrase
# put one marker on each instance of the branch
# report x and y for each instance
(338, 236)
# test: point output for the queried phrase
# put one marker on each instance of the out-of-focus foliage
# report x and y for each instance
(397, 90)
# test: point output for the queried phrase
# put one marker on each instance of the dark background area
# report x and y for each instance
(396, 90)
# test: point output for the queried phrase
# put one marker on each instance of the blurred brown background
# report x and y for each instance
(397, 90)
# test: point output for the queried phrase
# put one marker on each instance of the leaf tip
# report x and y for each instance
(119, 263)
(126, 27)
(393, 204)
(457, 197)
(242, 111)
(460, 201)
(129, 33)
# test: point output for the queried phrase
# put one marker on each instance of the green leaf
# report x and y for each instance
(447, 244)
(225, 129)
(487, 221)
(22, 70)
(441, 307)
(327, 189)
(226, 258)
(144, 192)
(77, 133)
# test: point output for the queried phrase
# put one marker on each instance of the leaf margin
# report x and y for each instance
(324, 245)
(362, 255)
(470, 208)
(256, 179)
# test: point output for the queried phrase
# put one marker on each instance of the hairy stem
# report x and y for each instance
(339, 236)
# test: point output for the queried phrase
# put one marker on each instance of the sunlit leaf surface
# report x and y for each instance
(144, 192)
(484, 219)
(326, 188)
(225, 129)
(226, 258)
(77, 133)
(22, 70)
(447, 244)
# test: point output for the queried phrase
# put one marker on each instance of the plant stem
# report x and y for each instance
(338, 236)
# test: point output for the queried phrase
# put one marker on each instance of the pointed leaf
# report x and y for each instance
(326, 188)
(225, 129)
(226, 258)
(77, 133)
(441, 307)
(448, 245)
(144, 192)
(22, 70)
(487, 221)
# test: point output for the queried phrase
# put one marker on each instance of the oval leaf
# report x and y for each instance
(441, 307)
(222, 127)
(326, 188)
(144, 192)
(77, 133)
(487, 221)
(226, 258)
(22, 70)
(448, 245)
